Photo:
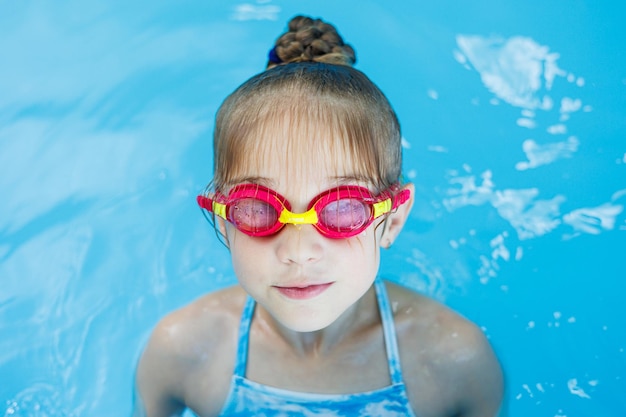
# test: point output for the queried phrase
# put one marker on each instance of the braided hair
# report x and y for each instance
(311, 40)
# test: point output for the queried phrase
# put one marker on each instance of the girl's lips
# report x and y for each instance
(303, 293)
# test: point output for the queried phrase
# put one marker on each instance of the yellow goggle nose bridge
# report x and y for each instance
(309, 217)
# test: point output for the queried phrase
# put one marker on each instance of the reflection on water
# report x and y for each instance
(521, 73)
(105, 124)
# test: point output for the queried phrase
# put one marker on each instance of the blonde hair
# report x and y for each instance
(315, 106)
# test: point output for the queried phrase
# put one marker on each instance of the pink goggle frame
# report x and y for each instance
(340, 212)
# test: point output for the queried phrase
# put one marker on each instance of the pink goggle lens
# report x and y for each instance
(252, 215)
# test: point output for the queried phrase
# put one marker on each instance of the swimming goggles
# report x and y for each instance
(340, 212)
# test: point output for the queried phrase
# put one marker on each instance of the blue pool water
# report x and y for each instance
(514, 118)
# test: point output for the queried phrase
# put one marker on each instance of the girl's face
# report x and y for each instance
(303, 279)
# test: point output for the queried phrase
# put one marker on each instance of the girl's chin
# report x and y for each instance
(305, 323)
(306, 327)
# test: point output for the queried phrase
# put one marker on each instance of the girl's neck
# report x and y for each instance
(360, 315)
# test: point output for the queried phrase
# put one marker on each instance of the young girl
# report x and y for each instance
(306, 191)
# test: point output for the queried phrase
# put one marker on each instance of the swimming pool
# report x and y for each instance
(514, 118)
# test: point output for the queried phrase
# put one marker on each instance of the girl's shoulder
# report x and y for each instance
(428, 326)
(442, 352)
(207, 321)
(421, 313)
(189, 350)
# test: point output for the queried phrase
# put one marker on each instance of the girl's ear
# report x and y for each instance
(395, 220)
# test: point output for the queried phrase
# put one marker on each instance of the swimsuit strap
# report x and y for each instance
(389, 330)
(241, 361)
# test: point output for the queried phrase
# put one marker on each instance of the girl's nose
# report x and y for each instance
(299, 244)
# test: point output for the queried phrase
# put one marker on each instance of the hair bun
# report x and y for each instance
(311, 40)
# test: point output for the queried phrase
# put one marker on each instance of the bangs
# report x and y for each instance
(296, 132)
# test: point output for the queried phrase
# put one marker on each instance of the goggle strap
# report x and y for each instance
(205, 202)
(212, 206)
(385, 206)
(401, 198)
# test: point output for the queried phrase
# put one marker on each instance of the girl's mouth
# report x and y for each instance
(305, 292)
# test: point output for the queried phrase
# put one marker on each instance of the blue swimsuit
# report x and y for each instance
(248, 398)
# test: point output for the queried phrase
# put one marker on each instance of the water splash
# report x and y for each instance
(572, 386)
(546, 154)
